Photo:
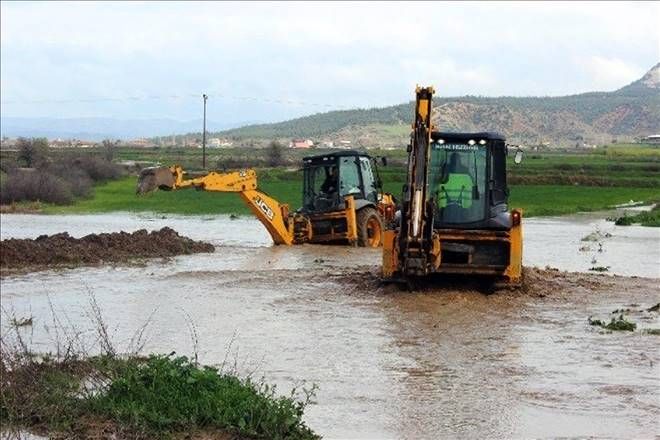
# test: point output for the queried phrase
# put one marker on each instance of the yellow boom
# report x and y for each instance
(272, 214)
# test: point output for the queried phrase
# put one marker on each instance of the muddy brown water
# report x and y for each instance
(389, 364)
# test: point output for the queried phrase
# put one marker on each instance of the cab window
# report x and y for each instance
(457, 182)
(349, 177)
(368, 179)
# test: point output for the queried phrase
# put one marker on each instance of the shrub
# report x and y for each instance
(98, 169)
(32, 152)
(36, 185)
(619, 324)
(79, 181)
(275, 154)
(54, 181)
(109, 149)
(233, 163)
(646, 218)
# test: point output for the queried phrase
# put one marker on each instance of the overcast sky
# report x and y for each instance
(317, 56)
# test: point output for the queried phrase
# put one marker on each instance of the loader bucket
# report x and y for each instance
(154, 178)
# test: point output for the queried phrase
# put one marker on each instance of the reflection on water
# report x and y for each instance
(388, 364)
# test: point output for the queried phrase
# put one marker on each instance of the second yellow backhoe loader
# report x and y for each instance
(454, 217)
(343, 201)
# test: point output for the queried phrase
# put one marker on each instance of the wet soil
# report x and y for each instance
(63, 250)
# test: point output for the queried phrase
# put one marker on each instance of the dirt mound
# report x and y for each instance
(62, 249)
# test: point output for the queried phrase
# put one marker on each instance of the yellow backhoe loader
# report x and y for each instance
(343, 201)
(454, 217)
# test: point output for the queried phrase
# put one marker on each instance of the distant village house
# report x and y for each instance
(219, 143)
(301, 143)
(140, 143)
(653, 139)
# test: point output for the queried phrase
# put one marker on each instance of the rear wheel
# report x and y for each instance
(369, 228)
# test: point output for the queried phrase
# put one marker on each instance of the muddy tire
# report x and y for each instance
(369, 228)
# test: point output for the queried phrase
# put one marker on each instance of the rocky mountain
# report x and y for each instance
(628, 113)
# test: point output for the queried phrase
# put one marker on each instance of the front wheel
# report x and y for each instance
(369, 228)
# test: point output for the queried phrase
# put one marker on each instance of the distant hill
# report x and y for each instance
(631, 112)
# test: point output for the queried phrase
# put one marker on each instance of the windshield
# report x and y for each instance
(457, 182)
(321, 187)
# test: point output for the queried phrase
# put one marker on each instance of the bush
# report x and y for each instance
(620, 324)
(275, 154)
(234, 163)
(98, 169)
(646, 218)
(8, 166)
(54, 181)
(32, 152)
(78, 180)
(36, 185)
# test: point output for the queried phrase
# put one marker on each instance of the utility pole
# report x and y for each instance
(204, 135)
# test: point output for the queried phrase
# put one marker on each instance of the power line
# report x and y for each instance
(280, 101)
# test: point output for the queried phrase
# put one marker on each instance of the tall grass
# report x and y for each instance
(71, 394)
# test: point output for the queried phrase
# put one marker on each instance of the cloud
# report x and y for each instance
(340, 54)
(610, 73)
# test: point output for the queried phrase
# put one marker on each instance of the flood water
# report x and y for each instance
(388, 364)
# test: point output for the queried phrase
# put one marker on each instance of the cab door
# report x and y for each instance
(368, 180)
(349, 178)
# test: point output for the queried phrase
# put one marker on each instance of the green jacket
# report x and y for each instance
(457, 189)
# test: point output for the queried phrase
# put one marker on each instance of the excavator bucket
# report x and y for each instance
(154, 178)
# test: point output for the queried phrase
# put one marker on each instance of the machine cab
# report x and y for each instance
(329, 178)
(467, 181)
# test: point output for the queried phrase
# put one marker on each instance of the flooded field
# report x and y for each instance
(389, 364)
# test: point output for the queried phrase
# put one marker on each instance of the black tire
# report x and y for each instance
(369, 224)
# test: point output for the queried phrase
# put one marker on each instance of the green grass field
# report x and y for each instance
(545, 183)
(120, 195)
(535, 200)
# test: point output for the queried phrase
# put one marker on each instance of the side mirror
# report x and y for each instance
(518, 157)
(383, 160)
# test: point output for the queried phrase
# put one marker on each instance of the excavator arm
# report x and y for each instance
(272, 214)
(416, 241)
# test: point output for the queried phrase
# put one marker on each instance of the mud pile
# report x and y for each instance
(62, 249)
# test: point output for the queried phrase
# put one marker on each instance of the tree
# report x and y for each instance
(32, 152)
(275, 154)
(109, 149)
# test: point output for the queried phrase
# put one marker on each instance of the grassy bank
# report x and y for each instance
(650, 218)
(142, 398)
(549, 182)
(536, 200)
